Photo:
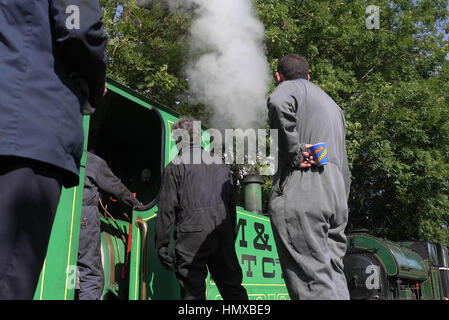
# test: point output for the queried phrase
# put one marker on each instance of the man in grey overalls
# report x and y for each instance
(308, 204)
(98, 177)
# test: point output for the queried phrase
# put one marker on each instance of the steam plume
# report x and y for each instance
(229, 71)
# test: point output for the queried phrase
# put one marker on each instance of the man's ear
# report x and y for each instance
(278, 78)
(308, 77)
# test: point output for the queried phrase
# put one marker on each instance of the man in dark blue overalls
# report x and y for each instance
(41, 123)
(197, 200)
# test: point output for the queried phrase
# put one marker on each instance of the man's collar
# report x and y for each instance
(190, 147)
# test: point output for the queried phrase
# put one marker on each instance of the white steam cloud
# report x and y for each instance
(229, 71)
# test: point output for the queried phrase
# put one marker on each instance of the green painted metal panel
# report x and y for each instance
(113, 245)
(258, 258)
(255, 249)
(115, 88)
(380, 250)
(436, 283)
(427, 288)
(58, 276)
(405, 294)
(170, 145)
(410, 264)
(161, 283)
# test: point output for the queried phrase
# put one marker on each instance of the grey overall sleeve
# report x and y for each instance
(166, 213)
(108, 182)
(282, 116)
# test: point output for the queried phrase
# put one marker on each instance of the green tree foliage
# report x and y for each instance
(391, 82)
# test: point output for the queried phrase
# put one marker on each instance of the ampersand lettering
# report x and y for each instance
(261, 240)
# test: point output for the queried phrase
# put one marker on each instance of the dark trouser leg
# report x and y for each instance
(191, 278)
(193, 250)
(91, 277)
(226, 271)
(29, 196)
(195, 253)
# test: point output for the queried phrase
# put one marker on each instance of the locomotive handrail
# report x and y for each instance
(108, 214)
(142, 225)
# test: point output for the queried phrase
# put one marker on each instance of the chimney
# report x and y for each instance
(252, 184)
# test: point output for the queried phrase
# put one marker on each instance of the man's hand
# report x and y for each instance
(131, 201)
(105, 89)
(307, 158)
(165, 258)
(139, 207)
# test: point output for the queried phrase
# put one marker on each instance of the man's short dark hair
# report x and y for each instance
(186, 123)
(293, 67)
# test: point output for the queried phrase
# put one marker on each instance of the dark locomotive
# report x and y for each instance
(380, 269)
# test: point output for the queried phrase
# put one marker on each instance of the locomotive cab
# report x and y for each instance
(130, 135)
(129, 138)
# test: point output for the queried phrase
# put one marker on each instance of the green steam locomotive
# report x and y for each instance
(380, 269)
(133, 135)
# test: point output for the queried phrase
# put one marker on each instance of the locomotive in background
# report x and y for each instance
(133, 136)
(380, 269)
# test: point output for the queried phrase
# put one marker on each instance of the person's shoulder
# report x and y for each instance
(216, 158)
(284, 86)
(91, 155)
(93, 159)
(312, 86)
(226, 169)
(174, 166)
(283, 92)
(318, 92)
